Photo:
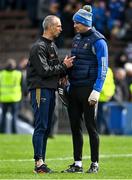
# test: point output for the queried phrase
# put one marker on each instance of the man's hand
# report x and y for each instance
(63, 81)
(68, 61)
(94, 97)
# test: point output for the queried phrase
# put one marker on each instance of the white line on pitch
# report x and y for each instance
(69, 158)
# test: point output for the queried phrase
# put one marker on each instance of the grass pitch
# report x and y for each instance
(16, 154)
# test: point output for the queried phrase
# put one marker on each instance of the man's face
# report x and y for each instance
(80, 28)
(56, 28)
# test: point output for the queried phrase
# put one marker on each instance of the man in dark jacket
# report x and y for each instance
(43, 72)
(86, 79)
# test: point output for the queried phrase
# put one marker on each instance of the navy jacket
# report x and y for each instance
(91, 62)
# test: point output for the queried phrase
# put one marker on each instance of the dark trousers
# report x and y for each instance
(78, 107)
(13, 107)
(43, 103)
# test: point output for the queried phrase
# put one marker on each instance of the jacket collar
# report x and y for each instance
(45, 39)
(87, 33)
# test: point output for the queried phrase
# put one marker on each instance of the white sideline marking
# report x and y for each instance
(59, 179)
(69, 158)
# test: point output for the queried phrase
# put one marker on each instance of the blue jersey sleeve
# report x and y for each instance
(101, 50)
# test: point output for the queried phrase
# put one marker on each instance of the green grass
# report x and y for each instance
(16, 154)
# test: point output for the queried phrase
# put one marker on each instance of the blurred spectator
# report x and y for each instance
(10, 93)
(122, 90)
(117, 32)
(32, 12)
(54, 8)
(130, 89)
(105, 96)
(115, 15)
(66, 18)
(42, 12)
(122, 28)
(99, 16)
(22, 67)
(128, 51)
(128, 68)
(120, 60)
(25, 110)
(116, 8)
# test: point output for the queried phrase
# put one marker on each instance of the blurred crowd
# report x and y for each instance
(113, 18)
(117, 88)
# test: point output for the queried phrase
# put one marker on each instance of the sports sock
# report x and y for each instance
(78, 163)
(95, 163)
(39, 162)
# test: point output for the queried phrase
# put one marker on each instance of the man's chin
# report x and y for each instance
(76, 30)
(57, 35)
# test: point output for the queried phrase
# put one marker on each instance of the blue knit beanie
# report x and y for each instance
(84, 16)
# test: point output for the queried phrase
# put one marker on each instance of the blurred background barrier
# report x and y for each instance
(22, 126)
(118, 117)
(128, 124)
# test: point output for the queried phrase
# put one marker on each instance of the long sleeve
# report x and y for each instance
(101, 51)
(43, 67)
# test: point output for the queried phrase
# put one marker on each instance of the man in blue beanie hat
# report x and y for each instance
(84, 16)
(86, 78)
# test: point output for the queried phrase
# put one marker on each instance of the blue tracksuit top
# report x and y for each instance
(91, 62)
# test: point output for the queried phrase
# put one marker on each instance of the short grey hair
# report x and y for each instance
(48, 21)
(11, 63)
